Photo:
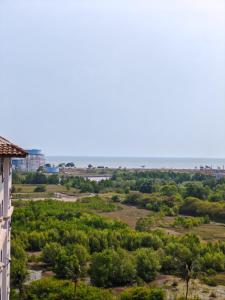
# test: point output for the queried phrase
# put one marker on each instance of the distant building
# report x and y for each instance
(51, 169)
(219, 174)
(31, 163)
(7, 151)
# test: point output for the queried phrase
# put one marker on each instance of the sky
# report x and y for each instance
(114, 78)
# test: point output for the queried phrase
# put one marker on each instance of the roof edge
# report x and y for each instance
(10, 149)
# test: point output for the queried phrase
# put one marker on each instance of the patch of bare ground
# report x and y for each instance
(175, 287)
(127, 214)
(208, 232)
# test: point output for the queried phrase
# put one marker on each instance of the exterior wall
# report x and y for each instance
(5, 227)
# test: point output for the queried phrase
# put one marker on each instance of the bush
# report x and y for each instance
(142, 293)
(52, 289)
(40, 189)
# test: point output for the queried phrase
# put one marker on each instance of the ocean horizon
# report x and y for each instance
(139, 162)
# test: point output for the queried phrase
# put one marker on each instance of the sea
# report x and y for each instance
(139, 162)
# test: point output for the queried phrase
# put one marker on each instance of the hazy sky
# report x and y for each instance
(119, 77)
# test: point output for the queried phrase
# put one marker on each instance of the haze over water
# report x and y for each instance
(138, 162)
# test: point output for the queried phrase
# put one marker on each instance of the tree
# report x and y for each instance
(147, 264)
(147, 187)
(185, 256)
(70, 165)
(18, 265)
(169, 189)
(18, 273)
(196, 189)
(50, 253)
(67, 267)
(80, 251)
(36, 240)
(111, 268)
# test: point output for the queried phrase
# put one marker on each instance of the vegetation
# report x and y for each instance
(79, 245)
(190, 222)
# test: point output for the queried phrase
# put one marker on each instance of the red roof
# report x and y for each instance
(8, 149)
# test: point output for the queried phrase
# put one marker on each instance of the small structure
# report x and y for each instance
(7, 151)
(51, 169)
(31, 163)
(219, 174)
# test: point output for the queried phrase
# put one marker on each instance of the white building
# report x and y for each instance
(7, 151)
(34, 160)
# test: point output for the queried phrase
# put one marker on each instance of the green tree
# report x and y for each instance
(185, 257)
(67, 267)
(196, 189)
(51, 252)
(147, 264)
(111, 268)
(18, 265)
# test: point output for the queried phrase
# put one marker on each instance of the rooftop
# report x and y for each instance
(8, 149)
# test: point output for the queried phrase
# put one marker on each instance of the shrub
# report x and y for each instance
(40, 189)
(142, 293)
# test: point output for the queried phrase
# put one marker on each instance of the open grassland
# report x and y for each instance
(130, 214)
(208, 232)
(50, 188)
(127, 214)
(27, 191)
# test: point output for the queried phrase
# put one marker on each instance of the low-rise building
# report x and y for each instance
(7, 151)
(51, 169)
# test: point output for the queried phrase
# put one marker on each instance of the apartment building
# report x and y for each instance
(7, 151)
(34, 160)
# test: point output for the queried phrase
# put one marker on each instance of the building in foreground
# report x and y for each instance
(7, 151)
(31, 163)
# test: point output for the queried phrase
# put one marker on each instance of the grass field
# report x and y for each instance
(127, 214)
(130, 215)
(50, 188)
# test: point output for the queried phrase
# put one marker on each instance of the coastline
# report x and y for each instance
(140, 163)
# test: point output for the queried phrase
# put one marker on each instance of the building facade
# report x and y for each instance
(34, 160)
(7, 151)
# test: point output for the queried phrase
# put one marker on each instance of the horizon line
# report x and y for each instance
(130, 156)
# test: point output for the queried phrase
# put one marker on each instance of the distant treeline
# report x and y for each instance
(34, 178)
